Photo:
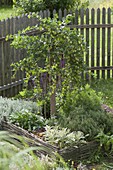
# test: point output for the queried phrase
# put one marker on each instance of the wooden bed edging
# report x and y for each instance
(82, 152)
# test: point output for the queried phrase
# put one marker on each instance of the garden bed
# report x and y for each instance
(30, 138)
(82, 152)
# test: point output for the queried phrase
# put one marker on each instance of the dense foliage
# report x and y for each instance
(27, 6)
(84, 97)
(54, 58)
(82, 111)
(27, 120)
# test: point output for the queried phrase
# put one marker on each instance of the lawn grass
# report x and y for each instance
(100, 3)
(106, 88)
(7, 12)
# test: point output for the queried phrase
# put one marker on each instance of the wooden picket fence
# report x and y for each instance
(96, 26)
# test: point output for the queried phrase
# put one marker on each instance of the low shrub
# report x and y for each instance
(85, 98)
(82, 111)
(91, 122)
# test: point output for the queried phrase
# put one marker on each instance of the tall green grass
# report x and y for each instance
(15, 155)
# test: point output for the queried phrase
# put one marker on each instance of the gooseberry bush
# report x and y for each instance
(54, 57)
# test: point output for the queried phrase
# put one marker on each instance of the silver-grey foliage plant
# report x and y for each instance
(10, 106)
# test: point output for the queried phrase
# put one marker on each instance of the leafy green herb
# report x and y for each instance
(27, 120)
(63, 137)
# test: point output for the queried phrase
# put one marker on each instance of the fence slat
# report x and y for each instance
(103, 40)
(60, 14)
(18, 52)
(82, 30)
(48, 13)
(108, 41)
(3, 57)
(87, 41)
(12, 54)
(111, 46)
(1, 62)
(54, 12)
(65, 12)
(98, 43)
(92, 39)
(7, 58)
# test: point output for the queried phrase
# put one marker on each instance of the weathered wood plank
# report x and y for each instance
(12, 55)
(103, 40)
(82, 30)
(11, 85)
(65, 12)
(108, 42)
(98, 43)
(92, 39)
(76, 18)
(7, 59)
(3, 56)
(101, 68)
(92, 26)
(87, 42)
(60, 14)
(15, 53)
(1, 53)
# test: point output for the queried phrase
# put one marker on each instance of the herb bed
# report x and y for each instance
(82, 152)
